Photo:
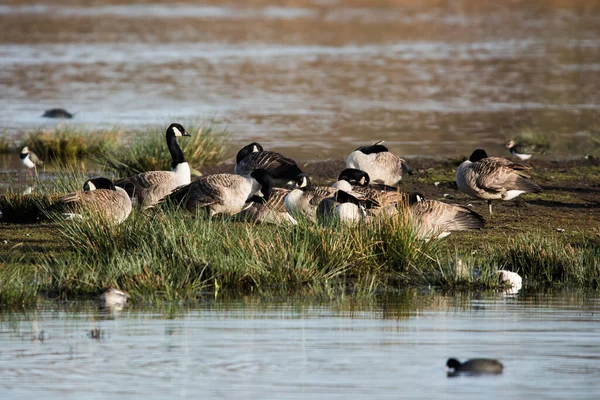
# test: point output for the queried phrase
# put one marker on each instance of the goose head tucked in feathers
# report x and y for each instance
(478, 155)
(249, 149)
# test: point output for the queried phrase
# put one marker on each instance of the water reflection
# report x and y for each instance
(389, 347)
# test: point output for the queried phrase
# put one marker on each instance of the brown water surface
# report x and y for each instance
(313, 79)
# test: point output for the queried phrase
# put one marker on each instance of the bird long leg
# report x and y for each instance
(490, 206)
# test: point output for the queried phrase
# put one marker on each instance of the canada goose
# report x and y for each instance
(381, 165)
(359, 182)
(345, 208)
(493, 178)
(30, 159)
(99, 196)
(474, 366)
(271, 211)
(524, 151)
(282, 169)
(304, 199)
(434, 219)
(57, 113)
(223, 193)
(150, 187)
(113, 299)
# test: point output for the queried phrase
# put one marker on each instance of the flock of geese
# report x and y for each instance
(267, 187)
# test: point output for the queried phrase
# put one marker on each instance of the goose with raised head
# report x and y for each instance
(30, 159)
(251, 157)
(304, 199)
(223, 193)
(342, 207)
(271, 211)
(148, 188)
(493, 178)
(382, 166)
(100, 197)
(474, 366)
(433, 219)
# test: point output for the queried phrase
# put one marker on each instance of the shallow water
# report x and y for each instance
(313, 79)
(397, 348)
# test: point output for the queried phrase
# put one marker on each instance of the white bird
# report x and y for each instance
(512, 278)
(493, 178)
(223, 193)
(381, 165)
(112, 299)
(151, 187)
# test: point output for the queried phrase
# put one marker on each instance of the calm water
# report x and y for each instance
(312, 78)
(550, 347)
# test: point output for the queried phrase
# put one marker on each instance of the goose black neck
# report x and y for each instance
(175, 150)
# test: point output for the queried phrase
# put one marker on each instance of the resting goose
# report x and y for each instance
(100, 196)
(271, 211)
(358, 182)
(304, 199)
(434, 220)
(223, 193)
(344, 208)
(381, 165)
(493, 178)
(251, 157)
(150, 187)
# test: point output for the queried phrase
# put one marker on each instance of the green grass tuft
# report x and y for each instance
(66, 143)
(148, 152)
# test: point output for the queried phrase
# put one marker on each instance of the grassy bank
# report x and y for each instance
(119, 151)
(551, 239)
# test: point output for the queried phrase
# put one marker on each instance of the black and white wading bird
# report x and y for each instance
(100, 198)
(381, 165)
(30, 159)
(493, 178)
(148, 188)
(524, 151)
(251, 157)
(226, 194)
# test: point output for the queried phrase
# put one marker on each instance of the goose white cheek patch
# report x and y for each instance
(177, 132)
